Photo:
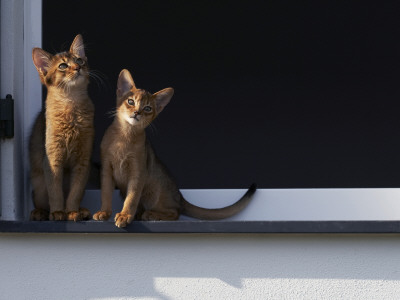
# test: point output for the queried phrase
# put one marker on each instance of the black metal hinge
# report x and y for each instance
(7, 117)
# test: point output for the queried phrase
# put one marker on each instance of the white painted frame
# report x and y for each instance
(20, 31)
(362, 204)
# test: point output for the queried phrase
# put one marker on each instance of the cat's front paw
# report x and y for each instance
(39, 214)
(102, 215)
(57, 216)
(122, 219)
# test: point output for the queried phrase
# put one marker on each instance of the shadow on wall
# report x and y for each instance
(158, 266)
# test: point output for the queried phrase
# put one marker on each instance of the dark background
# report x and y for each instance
(289, 94)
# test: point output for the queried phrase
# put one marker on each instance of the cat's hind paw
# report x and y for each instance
(57, 216)
(74, 216)
(101, 215)
(122, 219)
(39, 214)
(85, 213)
(82, 214)
(167, 215)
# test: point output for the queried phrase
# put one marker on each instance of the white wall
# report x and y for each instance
(173, 266)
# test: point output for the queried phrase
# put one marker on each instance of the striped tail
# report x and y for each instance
(194, 211)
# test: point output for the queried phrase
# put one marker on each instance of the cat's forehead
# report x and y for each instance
(141, 95)
(65, 56)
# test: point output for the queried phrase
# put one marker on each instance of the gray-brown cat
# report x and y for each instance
(129, 162)
(61, 142)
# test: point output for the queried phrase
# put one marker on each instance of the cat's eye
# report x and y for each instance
(131, 102)
(147, 109)
(80, 61)
(62, 66)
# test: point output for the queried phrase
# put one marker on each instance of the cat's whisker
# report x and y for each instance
(65, 86)
(148, 124)
(153, 129)
(59, 84)
(112, 113)
(153, 126)
(99, 74)
(96, 79)
(99, 78)
(62, 85)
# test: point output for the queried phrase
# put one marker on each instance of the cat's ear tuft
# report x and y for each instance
(41, 60)
(125, 83)
(77, 47)
(162, 98)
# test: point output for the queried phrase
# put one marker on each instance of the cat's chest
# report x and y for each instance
(126, 160)
(70, 117)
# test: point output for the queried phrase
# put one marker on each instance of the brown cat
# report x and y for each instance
(62, 137)
(129, 162)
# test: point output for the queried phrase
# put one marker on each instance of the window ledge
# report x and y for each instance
(203, 227)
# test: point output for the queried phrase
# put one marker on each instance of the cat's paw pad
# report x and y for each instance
(39, 214)
(85, 213)
(58, 216)
(101, 215)
(121, 219)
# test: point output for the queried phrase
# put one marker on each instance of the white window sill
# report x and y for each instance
(270, 211)
(205, 227)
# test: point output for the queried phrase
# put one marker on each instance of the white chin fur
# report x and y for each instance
(77, 81)
(131, 121)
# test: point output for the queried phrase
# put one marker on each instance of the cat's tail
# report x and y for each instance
(194, 211)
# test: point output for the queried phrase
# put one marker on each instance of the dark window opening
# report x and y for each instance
(286, 94)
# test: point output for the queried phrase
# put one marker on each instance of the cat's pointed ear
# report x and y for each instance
(77, 47)
(125, 83)
(162, 98)
(41, 60)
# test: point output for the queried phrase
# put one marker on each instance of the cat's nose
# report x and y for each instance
(77, 67)
(135, 114)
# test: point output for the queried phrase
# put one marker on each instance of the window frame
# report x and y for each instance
(20, 31)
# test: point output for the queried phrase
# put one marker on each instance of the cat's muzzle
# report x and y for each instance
(135, 115)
